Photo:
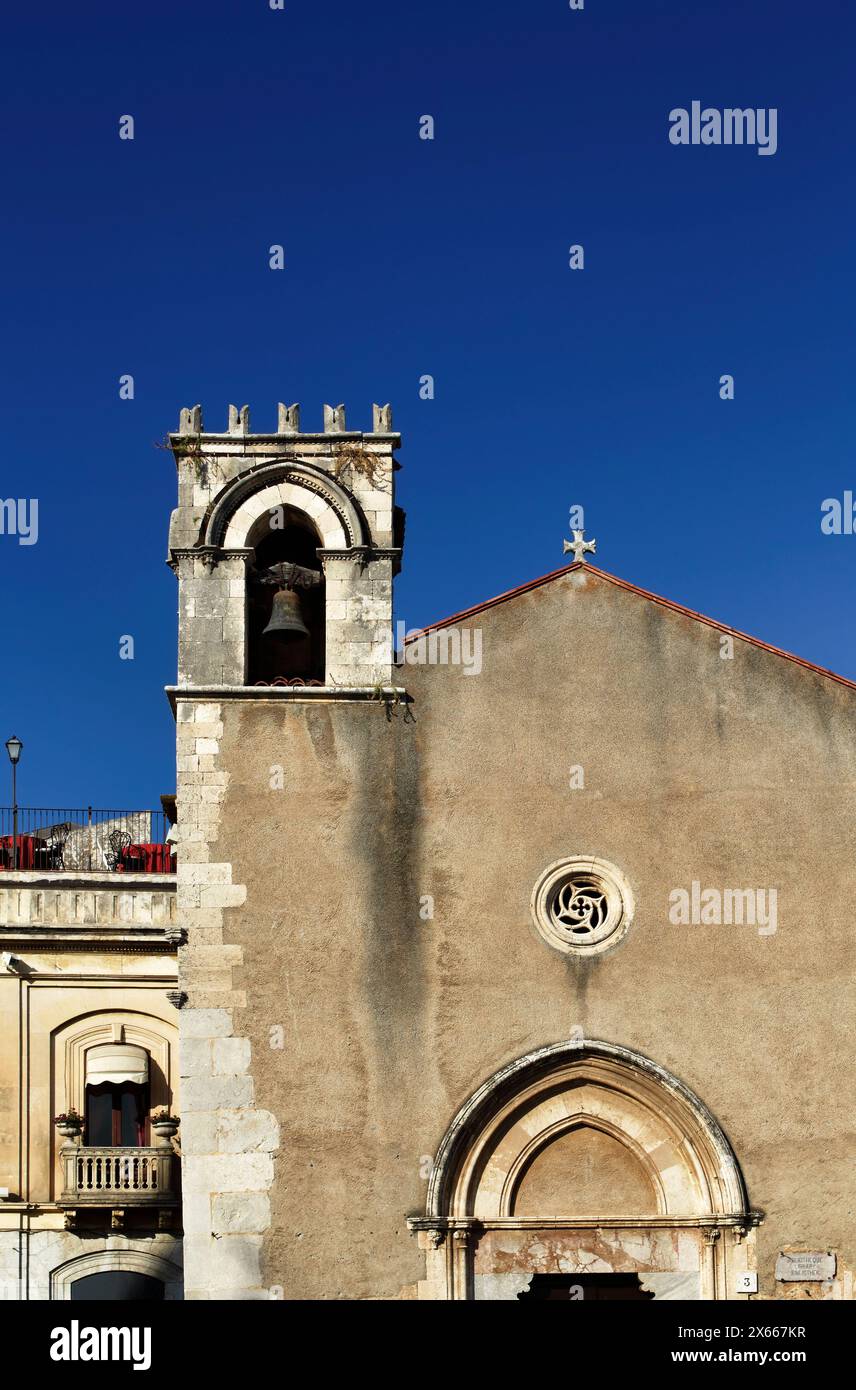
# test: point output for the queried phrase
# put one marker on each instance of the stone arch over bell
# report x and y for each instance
(246, 505)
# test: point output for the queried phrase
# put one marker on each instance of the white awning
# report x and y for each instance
(117, 1062)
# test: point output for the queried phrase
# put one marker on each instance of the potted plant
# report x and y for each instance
(164, 1125)
(69, 1123)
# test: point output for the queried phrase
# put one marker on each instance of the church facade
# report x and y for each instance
(516, 963)
(502, 977)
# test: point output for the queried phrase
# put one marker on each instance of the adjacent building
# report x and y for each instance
(89, 1189)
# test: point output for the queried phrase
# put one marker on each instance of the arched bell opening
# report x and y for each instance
(285, 600)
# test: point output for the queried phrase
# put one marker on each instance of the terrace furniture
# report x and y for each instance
(118, 843)
(50, 848)
(147, 859)
(26, 852)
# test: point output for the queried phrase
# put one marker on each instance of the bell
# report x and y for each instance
(286, 619)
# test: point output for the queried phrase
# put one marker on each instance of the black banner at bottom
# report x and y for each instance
(249, 1339)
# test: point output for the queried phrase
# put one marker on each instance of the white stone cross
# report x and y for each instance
(579, 546)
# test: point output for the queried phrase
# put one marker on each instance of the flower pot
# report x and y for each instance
(165, 1130)
(69, 1130)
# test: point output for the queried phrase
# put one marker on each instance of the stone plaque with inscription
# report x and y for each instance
(806, 1267)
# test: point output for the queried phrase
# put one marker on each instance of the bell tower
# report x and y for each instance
(285, 546)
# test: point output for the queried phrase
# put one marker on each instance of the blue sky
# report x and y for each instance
(407, 257)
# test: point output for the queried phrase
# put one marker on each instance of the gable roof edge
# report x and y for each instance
(641, 593)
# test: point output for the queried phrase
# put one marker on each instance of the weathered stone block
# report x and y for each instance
(207, 1093)
(231, 1212)
(199, 1132)
(223, 895)
(242, 1131)
(205, 1023)
(203, 873)
(231, 1056)
(194, 1057)
(235, 1264)
(228, 1173)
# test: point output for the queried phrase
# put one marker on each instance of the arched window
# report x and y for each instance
(117, 1096)
(285, 600)
(118, 1285)
(126, 1275)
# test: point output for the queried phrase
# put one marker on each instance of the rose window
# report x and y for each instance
(582, 906)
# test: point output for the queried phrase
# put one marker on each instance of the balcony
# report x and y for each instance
(85, 840)
(118, 1179)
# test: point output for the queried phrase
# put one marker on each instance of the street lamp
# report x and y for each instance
(13, 748)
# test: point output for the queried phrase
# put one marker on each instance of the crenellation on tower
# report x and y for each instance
(239, 420)
(288, 422)
(288, 419)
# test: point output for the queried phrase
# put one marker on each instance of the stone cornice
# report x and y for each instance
(238, 443)
(124, 940)
(200, 552)
(363, 553)
(589, 1223)
(299, 693)
(89, 879)
(54, 979)
(210, 555)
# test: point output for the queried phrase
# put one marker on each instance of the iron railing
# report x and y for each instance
(85, 839)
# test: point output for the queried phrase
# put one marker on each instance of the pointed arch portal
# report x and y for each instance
(585, 1158)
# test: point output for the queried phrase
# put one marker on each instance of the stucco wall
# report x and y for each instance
(734, 773)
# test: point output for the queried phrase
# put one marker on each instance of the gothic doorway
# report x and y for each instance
(585, 1165)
